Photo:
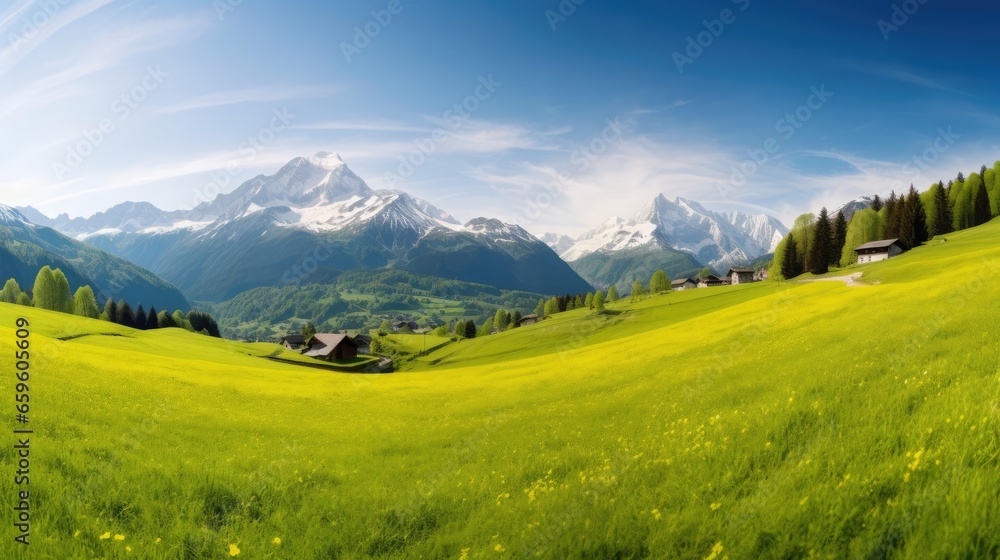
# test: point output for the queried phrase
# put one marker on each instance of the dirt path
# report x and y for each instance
(851, 280)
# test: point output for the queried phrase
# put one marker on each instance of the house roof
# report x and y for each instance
(740, 271)
(294, 339)
(325, 344)
(884, 244)
(682, 281)
(362, 338)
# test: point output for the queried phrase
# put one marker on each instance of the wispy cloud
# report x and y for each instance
(19, 46)
(908, 77)
(250, 95)
(648, 111)
(106, 52)
(361, 126)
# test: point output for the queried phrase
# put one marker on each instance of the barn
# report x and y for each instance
(741, 275)
(293, 341)
(332, 347)
(878, 251)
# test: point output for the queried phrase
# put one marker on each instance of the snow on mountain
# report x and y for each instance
(854, 206)
(717, 239)
(495, 230)
(10, 215)
(558, 242)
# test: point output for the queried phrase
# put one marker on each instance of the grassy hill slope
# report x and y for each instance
(763, 421)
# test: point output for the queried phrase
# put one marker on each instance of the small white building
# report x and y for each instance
(878, 251)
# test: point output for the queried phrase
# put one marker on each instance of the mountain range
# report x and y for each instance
(681, 236)
(309, 222)
(26, 247)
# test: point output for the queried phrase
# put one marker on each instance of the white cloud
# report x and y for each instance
(249, 95)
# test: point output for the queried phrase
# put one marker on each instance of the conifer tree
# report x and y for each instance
(877, 203)
(516, 320)
(153, 321)
(892, 212)
(126, 317)
(839, 239)
(790, 260)
(470, 329)
(820, 250)
(942, 211)
(84, 303)
(140, 318)
(916, 217)
(981, 207)
(110, 311)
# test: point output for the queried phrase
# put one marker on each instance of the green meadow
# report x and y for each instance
(773, 420)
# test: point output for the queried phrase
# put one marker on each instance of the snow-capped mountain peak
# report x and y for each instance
(10, 215)
(717, 239)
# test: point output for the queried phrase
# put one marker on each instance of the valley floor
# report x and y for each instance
(772, 420)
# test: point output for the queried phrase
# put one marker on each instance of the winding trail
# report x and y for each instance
(850, 280)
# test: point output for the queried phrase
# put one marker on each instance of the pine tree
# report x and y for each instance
(110, 311)
(153, 321)
(790, 261)
(659, 283)
(942, 211)
(892, 211)
(470, 329)
(612, 294)
(877, 203)
(981, 207)
(126, 317)
(516, 320)
(140, 318)
(819, 252)
(578, 302)
(85, 304)
(916, 217)
(839, 239)
(599, 301)
(44, 289)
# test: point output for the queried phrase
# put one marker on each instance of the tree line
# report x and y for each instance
(51, 291)
(814, 244)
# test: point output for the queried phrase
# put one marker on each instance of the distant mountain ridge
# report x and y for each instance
(311, 220)
(681, 234)
(26, 247)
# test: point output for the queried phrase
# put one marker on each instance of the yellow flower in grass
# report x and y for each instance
(233, 550)
(128, 550)
(499, 548)
(276, 541)
(656, 514)
(715, 506)
(716, 551)
(157, 540)
(105, 536)
(119, 537)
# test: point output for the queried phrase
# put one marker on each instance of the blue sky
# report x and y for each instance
(573, 112)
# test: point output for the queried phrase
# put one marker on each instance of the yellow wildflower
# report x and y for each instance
(465, 554)
(715, 506)
(119, 537)
(276, 541)
(716, 551)
(105, 536)
(656, 514)
(499, 548)
(233, 550)
(128, 550)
